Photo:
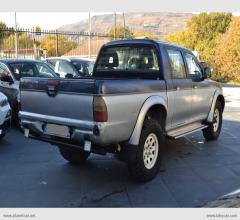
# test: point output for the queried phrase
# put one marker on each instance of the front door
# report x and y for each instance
(180, 90)
(202, 90)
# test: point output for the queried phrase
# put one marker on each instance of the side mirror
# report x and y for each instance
(6, 78)
(207, 72)
(69, 76)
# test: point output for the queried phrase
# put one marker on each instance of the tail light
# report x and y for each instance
(100, 113)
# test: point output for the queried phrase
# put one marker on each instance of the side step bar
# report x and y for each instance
(184, 130)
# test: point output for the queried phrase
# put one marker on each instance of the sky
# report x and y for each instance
(47, 20)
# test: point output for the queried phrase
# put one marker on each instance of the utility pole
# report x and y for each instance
(89, 35)
(124, 26)
(16, 35)
(115, 24)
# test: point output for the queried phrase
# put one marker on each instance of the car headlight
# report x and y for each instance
(3, 102)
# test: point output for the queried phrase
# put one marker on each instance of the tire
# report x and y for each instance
(145, 165)
(73, 155)
(212, 132)
(2, 136)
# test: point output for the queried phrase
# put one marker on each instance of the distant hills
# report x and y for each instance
(158, 23)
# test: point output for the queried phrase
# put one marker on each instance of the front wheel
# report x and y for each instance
(146, 163)
(74, 155)
(212, 132)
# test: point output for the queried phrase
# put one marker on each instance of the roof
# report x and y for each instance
(19, 61)
(70, 59)
(143, 41)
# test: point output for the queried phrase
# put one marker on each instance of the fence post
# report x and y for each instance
(124, 26)
(115, 26)
(35, 49)
(16, 36)
(89, 37)
(56, 43)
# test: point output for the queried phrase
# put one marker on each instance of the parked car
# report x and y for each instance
(5, 115)
(141, 92)
(12, 70)
(71, 67)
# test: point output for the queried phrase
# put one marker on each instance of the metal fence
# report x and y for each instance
(38, 44)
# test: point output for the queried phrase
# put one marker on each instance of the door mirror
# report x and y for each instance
(6, 78)
(207, 72)
(69, 76)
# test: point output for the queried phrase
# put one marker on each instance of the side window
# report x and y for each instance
(51, 62)
(193, 68)
(177, 64)
(44, 70)
(23, 70)
(5, 74)
(64, 67)
(4, 71)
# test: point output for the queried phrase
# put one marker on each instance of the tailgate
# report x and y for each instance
(63, 98)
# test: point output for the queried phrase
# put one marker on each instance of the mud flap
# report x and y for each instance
(128, 153)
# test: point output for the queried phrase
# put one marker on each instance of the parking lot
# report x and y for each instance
(33, 174)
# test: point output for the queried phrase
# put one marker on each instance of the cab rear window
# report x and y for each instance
(128, 59)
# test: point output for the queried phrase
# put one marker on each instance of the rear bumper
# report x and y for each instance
(34, 119)
(80, 131)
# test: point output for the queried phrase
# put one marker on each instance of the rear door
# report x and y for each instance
(180, 90)
(202, 90)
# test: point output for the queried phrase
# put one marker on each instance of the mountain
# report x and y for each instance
(158, 23)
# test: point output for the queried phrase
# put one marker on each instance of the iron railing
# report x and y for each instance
(35, 44)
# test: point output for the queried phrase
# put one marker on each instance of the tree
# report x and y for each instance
(227, 51)
(181, 38)
(201, 34)
(3, 27)
(147, 35)
(203, 28)
(64, 45)
(120, 33)
(24, 41)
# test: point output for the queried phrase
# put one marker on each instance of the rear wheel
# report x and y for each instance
(74, 155)
(212, 132)
(146, 163)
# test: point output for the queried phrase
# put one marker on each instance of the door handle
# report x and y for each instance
(178, 88)
(195, 87)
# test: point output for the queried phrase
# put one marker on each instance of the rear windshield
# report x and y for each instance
(127, 59)
(27, 69)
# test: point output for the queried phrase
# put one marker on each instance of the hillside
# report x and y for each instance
(158, 23)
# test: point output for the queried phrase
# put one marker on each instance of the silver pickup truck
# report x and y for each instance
(141, 92)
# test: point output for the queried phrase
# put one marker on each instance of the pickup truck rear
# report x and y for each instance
(141, 92)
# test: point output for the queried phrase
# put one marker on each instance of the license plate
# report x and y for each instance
(57, 130)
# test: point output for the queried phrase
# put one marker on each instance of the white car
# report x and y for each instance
(5, 115)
